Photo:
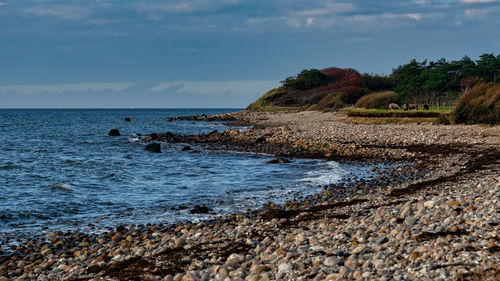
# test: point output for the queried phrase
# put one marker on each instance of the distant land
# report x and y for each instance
(437, 83)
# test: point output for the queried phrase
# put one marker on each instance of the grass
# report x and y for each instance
(272, 108)
(358, 112)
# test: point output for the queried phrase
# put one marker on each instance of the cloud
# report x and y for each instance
(477, 1)
(67, 12)
(242, 87)
(139, 94)
(60, 88)
(328, 8)
(186, 6)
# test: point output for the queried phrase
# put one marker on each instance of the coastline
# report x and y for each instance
(441, 224)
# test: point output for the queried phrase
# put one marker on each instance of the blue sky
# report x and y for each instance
(217, 53)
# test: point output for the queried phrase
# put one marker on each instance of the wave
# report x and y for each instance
(61, 186)
(331, 174)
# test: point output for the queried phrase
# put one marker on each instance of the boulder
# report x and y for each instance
(114, 133)
(200, 209)
(278, 161)
(186, 148)
(127, 119)
(153, 147)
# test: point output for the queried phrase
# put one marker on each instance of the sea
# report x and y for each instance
(59, 171)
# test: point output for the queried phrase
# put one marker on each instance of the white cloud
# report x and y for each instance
(218, 87)
(185, 6)
(59, 88)
(327, 9)
(477, 1)
(67, 12)
(476, 13)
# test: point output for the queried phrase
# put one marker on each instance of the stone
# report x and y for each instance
(127, 119)
(429, 204)
(114, 133)
(329, 261)
(153, 147)
(186, 148)
(258, 268)
(284, 268)
(360, 249)
(279, 161)
(200, 209)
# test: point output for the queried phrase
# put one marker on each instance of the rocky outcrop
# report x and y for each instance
(114, 133)
(153, 147)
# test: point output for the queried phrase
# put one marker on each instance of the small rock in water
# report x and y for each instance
(127, 119)
(278, 161)
(153, 147)
(186, 148)
(114, 133)
(200, 209)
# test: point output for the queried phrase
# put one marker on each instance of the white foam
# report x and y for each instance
(61, 186)
(329, 174)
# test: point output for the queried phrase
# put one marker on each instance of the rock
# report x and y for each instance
(170, 119)
(127, 119)
(410, 221)
(278, 161)
(429, 204)
(359, 249)
(153, 147)
(284, 268)
(256, 269)
(260, 139)
(186, 148)
(329, 261)
(114, 133)
(200, 209)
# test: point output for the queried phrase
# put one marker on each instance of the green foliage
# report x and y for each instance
(306, 79)
(481, 104)
(375, 83)
(427, 82)
(379, 100)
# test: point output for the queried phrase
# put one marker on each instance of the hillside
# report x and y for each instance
(329, 88)
(436, 83)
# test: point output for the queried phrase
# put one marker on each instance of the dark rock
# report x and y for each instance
(127, 119)
(153, 147)
(170, 119)
(200, 209)
(114, 133)
(260, 139)
(186, 148)
(278, 161)
(153, 136)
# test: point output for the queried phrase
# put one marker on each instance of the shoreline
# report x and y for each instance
(329, 237)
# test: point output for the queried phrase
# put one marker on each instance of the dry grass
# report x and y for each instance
(481, 104)
(377, 100)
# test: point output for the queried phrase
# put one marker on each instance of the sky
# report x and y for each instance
(217, 53)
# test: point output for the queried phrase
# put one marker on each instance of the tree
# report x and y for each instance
(306, 79)
(488, 66)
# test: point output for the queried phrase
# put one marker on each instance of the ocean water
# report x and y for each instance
(60, 171)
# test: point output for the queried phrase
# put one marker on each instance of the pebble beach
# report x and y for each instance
(434, 215)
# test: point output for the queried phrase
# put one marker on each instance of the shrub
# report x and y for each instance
(379, 100)
(306, 79)
(480, 104)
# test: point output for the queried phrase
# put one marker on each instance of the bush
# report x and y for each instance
(480, 104)
(306, 79)
(378, 100)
